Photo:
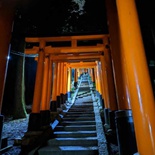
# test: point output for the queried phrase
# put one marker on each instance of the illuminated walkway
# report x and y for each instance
(81, 131)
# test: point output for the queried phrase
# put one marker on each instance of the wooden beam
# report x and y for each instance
(81, 49)
(82, 65)
(66, 58)
(33, 50)
(67, 50)
(66, 38)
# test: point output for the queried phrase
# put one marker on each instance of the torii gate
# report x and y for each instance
(73, 53)
(123, 18)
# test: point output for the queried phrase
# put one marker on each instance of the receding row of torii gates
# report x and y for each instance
(120, 67)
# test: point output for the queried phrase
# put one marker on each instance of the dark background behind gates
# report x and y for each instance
(37, 18)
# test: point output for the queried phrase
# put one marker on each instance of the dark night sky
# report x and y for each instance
(56, 17)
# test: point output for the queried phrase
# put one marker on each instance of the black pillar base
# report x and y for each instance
(100, 98)
(94, 84)
(45, 117)
(111, 132)
(1, 128)
(53, 106)
(103, 104)
(75, 85)
(66, 97)
(106, 116)
(34, 123)
(125, 132)
(61, 98)
(58, 101)
(112, 120)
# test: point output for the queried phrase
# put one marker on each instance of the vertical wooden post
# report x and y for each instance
(61, 82)
(93, 75)
(110, 78)
(98, 78)
(65, 82)
(75, 78)
(118, 62)
(39, 79)
(43, 105)
(53, 103)
(121, 81)
(105, 83)
(69, 83)
(142, 98)
(78, 72)
(7, 10)
(54, 88)
(62, 78)
(35, 117)
(102, 84)
(58, 79)
(50, 83)
(58, 84)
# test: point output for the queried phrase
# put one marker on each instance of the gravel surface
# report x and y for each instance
(14, 129)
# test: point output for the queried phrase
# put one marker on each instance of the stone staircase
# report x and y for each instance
(76, 134)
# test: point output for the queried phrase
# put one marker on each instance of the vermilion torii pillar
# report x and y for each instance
(69, 83)
(54, 89)
(58, 84)
(97, 80)
(105, 83)
(142, 98)
(98, 76)
(7, 9)
(93, 75)
(61, 82)
(65, 82)
(75, 78)
(34, 119)
(119, 67)
(110, 79)
(50, 83)
(43, 105)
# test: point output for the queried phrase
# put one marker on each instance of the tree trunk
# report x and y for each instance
(19, 110)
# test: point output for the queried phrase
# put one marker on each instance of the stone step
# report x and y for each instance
(80, 110)
(86, 141)
(74, 134)
(82, 105)
(78, 122)
(88, 102)
(78, 118)
(81, 114)
(83, 95)
(76, 128)
(69, 123)
(68, 150)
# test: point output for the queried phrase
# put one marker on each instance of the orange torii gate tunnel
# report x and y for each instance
(117, 65)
